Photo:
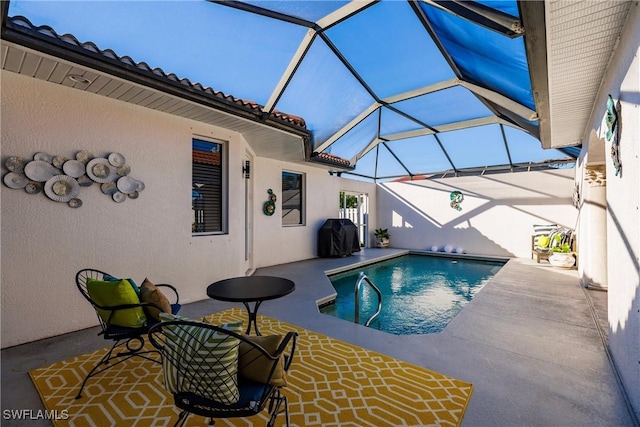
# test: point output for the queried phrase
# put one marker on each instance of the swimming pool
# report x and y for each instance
(421, 294)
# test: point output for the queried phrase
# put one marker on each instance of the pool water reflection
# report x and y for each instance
(421, 294)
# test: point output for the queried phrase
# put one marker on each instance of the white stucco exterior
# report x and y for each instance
(45, 243)
(276, 244)
(497, 216)
(621, 197)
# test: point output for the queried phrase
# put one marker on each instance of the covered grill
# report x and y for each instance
(338, 237)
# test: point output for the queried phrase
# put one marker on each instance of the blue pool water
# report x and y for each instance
(420, 294)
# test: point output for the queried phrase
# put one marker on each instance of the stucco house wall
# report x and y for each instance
(278, 244)
(496, 217)
(44, 243)
(622, 193)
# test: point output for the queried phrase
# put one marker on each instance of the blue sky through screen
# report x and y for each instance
(229, 50)
(245, 55)
(391, 49)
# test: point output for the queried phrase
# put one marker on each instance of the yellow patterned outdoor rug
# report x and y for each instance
(330, 383)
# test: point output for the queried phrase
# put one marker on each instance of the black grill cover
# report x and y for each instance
(338, 237)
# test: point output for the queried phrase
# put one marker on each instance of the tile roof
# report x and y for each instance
(330, 159)
(143, 67)
(203, 157)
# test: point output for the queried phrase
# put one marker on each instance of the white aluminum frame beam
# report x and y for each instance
(346, 128)
(511, 105)
(490, 120)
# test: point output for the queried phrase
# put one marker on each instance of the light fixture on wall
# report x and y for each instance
(246, 169)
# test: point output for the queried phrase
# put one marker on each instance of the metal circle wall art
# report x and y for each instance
(15, 180)
(61, 178)
(270, 205)
(15, 164)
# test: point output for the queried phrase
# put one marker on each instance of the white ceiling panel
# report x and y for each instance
(581, 38)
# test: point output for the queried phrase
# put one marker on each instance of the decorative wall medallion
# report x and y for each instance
(75, 203)
(270, 205)
(85, 181)
(84, 156)
(74, 168)
(61, 188)
(44, 157)
(15, 180)
(116, 159)
(456, 198)
(33, 188)
(119, 197)
(108, 188)
(61, 178)
(613, 123)
(59, 161)
(16, 164)
(123, 170)
(100, 170)
(127, 184)
(40, 171)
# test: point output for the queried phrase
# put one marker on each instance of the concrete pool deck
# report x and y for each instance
(530, 342)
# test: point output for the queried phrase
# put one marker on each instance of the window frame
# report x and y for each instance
(303, 198)
(224, 185)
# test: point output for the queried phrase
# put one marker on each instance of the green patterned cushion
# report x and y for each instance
(111, 293)
(201, 361)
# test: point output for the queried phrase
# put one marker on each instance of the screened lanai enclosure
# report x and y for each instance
(379, 89)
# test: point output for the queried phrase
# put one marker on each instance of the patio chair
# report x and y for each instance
(214, 372)
(538, 251)
(546, 237)
(123, 318)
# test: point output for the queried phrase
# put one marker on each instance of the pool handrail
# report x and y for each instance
(363, 278)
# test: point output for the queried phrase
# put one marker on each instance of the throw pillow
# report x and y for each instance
(207, 360)
(540, 230)
(254, 365)
(112, 293)
(151, 294)
(110, 278)
(543, 241)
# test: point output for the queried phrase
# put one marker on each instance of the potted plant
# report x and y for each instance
(382, 237)
(562, 256)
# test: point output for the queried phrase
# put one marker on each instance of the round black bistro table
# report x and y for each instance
(249, 289)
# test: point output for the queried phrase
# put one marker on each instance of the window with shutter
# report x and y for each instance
(208, 187)
(292, 198)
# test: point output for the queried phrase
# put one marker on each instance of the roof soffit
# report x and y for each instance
(569, 45)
